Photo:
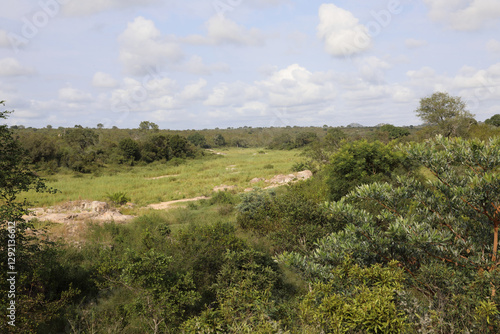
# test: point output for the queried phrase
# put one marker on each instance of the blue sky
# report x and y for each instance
(230, 63)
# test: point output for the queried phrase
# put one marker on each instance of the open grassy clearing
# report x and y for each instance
(194, 178)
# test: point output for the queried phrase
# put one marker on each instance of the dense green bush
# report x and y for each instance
(362, 162)
(290, 220)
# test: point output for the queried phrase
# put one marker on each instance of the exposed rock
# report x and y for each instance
(168, 205)
(257, 179)
(74, 211)
(284, 179)
(304, 175)
(223, 187)
(281, 179)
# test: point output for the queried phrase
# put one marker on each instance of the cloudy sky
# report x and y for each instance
(229, 63)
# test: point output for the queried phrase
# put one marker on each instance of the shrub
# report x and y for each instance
(300, 166)
(118, 198)
(359, 163)
(222, 197)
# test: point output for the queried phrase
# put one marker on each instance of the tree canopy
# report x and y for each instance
(447, 112)
(493, 120)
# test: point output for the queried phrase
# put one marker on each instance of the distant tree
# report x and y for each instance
(179, 147)
(394, 131)
(130, 149)
(49, 127)
(238, 142)
(334, 137)
(100, 126)
(156, 148)
(219, 140)
(305, 138)
(146, 125)
(282, 142)
(197, 139)
(447, 112)
(80, 137)
(40, 147)
(494, 120)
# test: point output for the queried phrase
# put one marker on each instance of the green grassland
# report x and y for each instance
(236, 167)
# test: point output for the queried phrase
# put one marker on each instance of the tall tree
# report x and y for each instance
(447, 112)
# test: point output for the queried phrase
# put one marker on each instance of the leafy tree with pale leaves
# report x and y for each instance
(447, 112)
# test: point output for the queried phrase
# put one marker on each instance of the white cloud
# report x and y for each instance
(89, 7)
(10, 67)
(341, 32)
(104, 80)
(412, 43)
(481, 84)
(296, 86)
(493, 46)
(73, 95)
(233, 94)
(150, 94)
(195, 91)
(221, 30)
(372, 68)
(464, 15)
(143, 48)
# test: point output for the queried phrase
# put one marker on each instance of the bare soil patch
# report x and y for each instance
(170, 204)
(75, 211)
(161, 177)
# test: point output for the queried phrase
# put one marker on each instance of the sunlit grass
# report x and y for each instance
(194, 178)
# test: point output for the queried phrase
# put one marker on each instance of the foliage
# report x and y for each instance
(301, 166)
(119, 198)
(282, 142)
(444, 233)
(493, 120)
(197, 139)
(447, 112)
(394, 132)
(130, 149)
(291, 220)
(219, 140)
(334, 138)
(247, 288)
(147, 125)
(80, 137)
(361, 162)
(40, 293)
(223, 197)
(355, 300)
(305, 138)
